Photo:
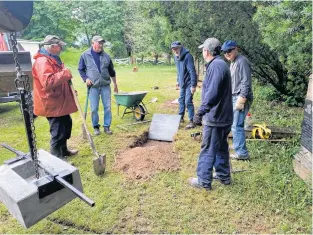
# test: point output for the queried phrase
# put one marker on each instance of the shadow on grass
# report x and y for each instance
(7, 107)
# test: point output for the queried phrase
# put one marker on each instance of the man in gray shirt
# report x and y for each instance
(97, 71)
(240, 69)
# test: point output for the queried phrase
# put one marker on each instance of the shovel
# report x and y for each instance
(85, 114)
(99, 161)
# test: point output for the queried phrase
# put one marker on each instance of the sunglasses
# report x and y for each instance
(229, 51)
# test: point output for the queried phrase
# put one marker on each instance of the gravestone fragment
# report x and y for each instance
(302, 162)
(164, 127)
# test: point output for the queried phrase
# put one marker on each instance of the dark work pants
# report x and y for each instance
(214, 152)
(60, 130)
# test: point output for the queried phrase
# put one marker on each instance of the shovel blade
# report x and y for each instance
(99, 164)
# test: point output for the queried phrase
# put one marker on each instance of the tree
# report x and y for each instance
(102, 18)
(287, 28)
(51, 17)
(195, 21)
(147, 33)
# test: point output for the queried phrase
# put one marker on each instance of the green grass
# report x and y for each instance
(269, 198)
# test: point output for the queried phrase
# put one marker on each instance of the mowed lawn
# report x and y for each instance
(268, 198)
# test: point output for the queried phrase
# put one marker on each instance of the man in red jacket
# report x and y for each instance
(53, 98)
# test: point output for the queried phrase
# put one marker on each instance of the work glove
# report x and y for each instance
(240, 103)
(192, 90)
(197, 120)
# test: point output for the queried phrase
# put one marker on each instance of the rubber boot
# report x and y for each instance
(56, 151)
(67, 152)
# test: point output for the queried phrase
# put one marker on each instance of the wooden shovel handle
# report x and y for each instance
(92, 145)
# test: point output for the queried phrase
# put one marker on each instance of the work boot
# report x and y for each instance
(239, 157)
(67, 152)
(56, 151)
(107, 130)
(194, 182)
(96, 131)
(225, 182)
(190, 125)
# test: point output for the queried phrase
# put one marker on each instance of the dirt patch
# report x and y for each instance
(141, 140)
(169, 105)
(142, 162)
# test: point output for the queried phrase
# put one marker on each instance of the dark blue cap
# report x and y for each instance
(176, 44)
(229, 44)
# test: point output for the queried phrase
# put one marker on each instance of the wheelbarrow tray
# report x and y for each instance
(130, 99)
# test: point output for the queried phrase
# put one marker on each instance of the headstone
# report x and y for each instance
(164, 127)
(302, 162)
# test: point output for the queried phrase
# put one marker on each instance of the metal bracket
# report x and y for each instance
(16, 159)
(48, 185)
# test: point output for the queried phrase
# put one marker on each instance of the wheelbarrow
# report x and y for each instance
(133, 104)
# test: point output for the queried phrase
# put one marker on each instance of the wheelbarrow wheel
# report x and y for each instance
(139, 113)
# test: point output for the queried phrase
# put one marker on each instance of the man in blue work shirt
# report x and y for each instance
(97, 70)
(240, 68)
(215, 113)
(186, 81)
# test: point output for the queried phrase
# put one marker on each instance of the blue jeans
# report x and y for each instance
(214, 152)
(94, 96)
(239, 137)
(185, 99)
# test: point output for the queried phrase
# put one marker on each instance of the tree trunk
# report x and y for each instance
(156, 58)
(169, 57)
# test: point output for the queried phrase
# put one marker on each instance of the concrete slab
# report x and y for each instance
(164, 127)
(18, 190)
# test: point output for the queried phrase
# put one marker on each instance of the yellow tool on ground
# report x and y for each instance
(260, 131)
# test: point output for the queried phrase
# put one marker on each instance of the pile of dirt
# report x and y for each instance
(145, 161)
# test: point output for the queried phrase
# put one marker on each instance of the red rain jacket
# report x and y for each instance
(52, 93)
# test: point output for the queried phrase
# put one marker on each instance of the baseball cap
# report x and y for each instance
(176, 44)
(213, 45)
(98, 38)
(52, 39)
(229, 44)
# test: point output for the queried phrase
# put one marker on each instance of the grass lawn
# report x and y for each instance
(269, 198)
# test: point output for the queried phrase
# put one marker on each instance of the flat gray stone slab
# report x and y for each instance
(19, 192)
(164, 127)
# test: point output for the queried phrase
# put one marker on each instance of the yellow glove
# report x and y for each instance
(240, 103)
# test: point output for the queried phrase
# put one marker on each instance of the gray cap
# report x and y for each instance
(98, 38)
(212, 45)
(52, 39)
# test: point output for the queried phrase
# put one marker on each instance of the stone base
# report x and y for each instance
(19, 191)
(302, 165)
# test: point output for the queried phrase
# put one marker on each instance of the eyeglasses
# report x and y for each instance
(229, 51)
(61, 47)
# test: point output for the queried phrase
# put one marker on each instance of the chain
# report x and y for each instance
(22, 82)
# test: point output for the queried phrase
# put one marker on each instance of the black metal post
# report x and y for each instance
(26, 117)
